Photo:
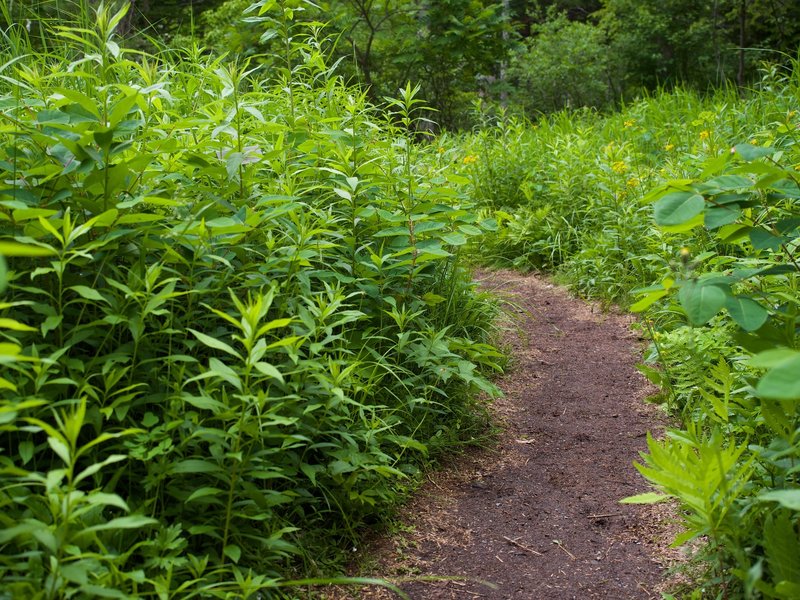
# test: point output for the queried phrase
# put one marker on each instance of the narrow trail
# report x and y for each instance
(539, 516)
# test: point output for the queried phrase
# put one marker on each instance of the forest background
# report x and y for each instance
(539, 56)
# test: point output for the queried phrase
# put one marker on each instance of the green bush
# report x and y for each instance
(235, 324)
(564, 64)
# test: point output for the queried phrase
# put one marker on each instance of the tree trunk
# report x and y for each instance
(503, 65)
(742, 38)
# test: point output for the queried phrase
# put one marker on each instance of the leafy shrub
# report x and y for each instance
(732, 467)
(236, 322)
(564, 64)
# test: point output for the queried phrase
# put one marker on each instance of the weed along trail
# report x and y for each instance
(538, 516)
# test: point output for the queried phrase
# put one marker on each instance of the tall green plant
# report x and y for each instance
(230, 334)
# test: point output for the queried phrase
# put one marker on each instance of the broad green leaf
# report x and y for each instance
(214, 343)
(50, 323)
(750, 152)
(343, 194)
(454, 238)
(733, 232)
(25, 450)
(104, 499)
(52, 116)
(747, 313)
(204, 492)
(232, 164)
(269, 370)
(193, 465)
(391, 231)
(48, 226)
(149, 420)
(648, 300)
(701, 300)
(726, 183)
(127, 522)
(771, 358)
(787, 498)
(765, 240)
(425, 226)
(87, 293)
(135, 218)
(204, 402)
(60, 448)
(781, 382)
(274, 324)
(788, 590)
(233, 552)
(337, 467)
(490, 224)
(224, 372)
(9, 349)
(678, 207)
(14, 325)
(432, 299)
(311, 471)
(469, 230)
(17, 249)
(719, 216)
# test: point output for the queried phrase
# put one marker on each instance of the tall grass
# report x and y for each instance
(236, 322)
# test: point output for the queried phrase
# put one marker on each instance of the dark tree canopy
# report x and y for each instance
(540, 54)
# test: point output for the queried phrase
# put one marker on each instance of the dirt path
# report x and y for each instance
(539, 516)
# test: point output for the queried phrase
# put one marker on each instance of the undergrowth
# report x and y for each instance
(685, 208)
(235, 322)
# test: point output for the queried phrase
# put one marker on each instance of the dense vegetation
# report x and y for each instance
(686, 208)
(235, 320)
(236, 316)
(536, 55)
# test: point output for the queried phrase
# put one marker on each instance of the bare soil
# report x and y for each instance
(538, 516)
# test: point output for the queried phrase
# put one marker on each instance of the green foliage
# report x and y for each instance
(235, 322)
(658, 42)
(746, 201)
(564, 64)
(449, 48)
(696, 43)
(686, 207)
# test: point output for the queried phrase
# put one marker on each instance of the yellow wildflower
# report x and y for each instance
(619, 167)
(754, 142)
(441, 150)
(629, 123)
(470, 158)
(633, 182)
(669, 147)
(704, 134)
(686, 254)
